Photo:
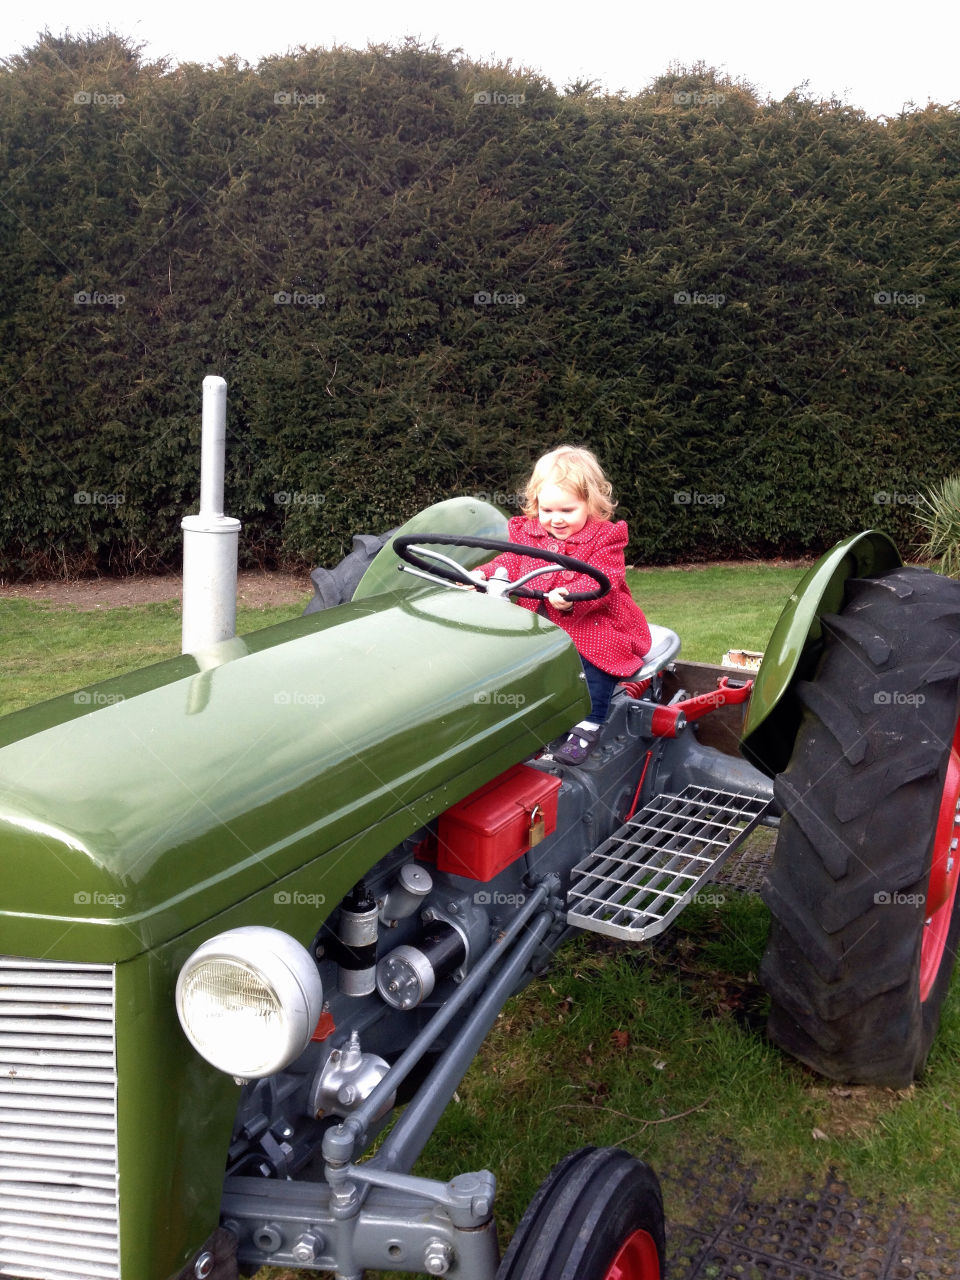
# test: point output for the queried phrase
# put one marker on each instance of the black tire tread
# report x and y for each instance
(571, 1205)
(859, 802)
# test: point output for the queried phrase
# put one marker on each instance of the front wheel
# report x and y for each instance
(863, 889)
(598, 1216)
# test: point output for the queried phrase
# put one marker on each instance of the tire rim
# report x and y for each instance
(944, 875)
(637, 1259)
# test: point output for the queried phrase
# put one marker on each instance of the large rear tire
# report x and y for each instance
(863, 887)
(597, 1216)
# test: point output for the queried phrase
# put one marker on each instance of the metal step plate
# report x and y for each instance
(640, 879)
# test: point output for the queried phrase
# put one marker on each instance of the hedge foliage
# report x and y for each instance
(416, 272)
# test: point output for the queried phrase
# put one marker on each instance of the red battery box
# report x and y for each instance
(492, 827)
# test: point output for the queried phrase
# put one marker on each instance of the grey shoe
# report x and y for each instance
(577, 746)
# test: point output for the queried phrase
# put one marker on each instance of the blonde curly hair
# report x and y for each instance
(577, 470)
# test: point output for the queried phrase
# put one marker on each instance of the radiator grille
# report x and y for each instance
(59, 1212)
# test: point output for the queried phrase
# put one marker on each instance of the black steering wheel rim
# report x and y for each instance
(404, 543)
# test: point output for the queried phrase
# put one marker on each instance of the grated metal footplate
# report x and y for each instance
(640, 879)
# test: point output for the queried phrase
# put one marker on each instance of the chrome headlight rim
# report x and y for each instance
(283, 977)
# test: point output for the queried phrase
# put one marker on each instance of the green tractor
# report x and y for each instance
(260, 906)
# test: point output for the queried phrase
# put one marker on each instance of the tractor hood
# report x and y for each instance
(138, 808)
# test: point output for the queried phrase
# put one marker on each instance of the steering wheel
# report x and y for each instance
(407, 548)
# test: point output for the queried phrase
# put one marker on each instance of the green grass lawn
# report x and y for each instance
(661, 1050)
(715, 608)
(658, 1049)
(46, 651)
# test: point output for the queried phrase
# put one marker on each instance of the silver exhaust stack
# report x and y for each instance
(210, 539)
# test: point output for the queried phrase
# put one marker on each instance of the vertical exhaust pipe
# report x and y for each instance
(210, 539)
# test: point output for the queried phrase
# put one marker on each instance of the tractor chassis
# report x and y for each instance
(376, 1215)
(371, 1216)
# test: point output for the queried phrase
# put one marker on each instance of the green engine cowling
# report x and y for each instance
(253, 787)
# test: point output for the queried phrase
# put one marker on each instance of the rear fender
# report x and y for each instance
(793, 651)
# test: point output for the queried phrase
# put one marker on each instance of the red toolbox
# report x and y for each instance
(486, 831)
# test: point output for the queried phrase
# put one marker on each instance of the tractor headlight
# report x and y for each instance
(248, 1000)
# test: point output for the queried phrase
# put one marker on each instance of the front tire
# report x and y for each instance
(597, 1216)
(863, 887)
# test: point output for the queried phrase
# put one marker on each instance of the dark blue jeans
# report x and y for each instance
(601, 686)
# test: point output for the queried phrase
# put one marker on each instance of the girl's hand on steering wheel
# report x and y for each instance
(558, 598)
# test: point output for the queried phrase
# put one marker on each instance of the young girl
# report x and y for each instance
(567, 507)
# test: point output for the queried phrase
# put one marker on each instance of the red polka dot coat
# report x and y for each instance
(612, 633)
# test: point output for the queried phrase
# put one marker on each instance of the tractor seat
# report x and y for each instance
(664, 647)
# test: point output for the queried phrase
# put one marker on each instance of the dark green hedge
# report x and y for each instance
(749, 309)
